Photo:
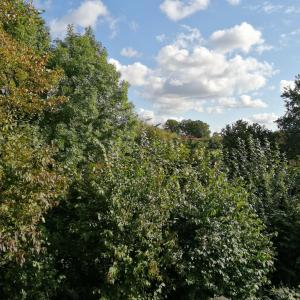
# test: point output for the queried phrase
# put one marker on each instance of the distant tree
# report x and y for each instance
(172, 125)
(290, 122)
(197, 129)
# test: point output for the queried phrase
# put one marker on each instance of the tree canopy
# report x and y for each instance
(196, 129)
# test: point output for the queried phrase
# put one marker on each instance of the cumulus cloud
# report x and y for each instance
(240, 37)
(87, 14)
(180, 9)
(189, 76)
(234, 2)
(247, 101)
(264, 119)
(244, 101)
(130, 52)
(136, 74)
(285, 84)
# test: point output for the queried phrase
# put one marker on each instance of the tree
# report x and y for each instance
(98, 110)
(197, 129)
(172, 125)
(290, 122)
(97, 118)
(30, 180)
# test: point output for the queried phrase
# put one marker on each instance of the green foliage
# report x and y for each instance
(263, 169)
(196, 129)
(215, 142)
(275, 196)
(290, 122)
(242, 130)
(173, 126)
(30, 180)
(155, 222)
(22, 21)
(283, 293)
(97, 109)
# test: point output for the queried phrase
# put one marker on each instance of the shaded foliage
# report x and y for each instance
(275, 196)
(30, 180)
(242, 130)
(157, 222)
(290, 122)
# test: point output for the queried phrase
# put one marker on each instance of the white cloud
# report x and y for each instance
(191, 36)
(189, 76)
(244, 101)
(146, 115)
(240, 37)
(263, 48)
(290, 34)
(136, 74)
(149, 117)
(247, 101)
(270, 8)
(234, 2)
(130, 52)
(215, 110)
(87, 14)
(180, 9)
(161, 38)
(284, 84)
(264, 119)
(289, 38)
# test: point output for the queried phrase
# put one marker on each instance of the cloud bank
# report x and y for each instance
(190, 76)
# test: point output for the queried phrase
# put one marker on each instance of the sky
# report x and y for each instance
(217, 61)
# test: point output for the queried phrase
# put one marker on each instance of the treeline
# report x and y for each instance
(94, 204)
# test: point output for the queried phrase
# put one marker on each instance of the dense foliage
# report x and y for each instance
(290, 122)
(196, 129)
(30, 180)
(94, 204)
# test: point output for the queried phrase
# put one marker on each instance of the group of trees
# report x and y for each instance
(94, 204)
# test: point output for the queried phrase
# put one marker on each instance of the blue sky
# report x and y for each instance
(213, 60)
